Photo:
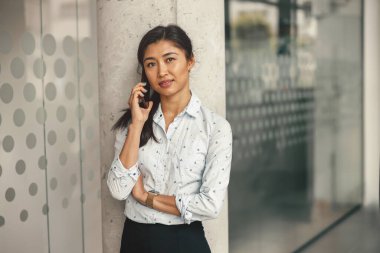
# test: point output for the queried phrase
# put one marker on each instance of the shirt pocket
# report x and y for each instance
(192, 162)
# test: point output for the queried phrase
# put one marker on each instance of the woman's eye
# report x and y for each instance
(150, 64)
(170, 59)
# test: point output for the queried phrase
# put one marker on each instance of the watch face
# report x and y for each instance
(155, 192)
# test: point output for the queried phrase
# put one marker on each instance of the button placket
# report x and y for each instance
(157, 166)
(170, 147)
(163, 160)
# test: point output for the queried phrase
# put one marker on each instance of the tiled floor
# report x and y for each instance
(359, 233)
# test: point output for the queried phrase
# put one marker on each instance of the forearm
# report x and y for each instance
(129, 153)
(163, 203)
(166, 204)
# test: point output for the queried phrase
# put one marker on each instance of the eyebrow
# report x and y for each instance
(164, 55)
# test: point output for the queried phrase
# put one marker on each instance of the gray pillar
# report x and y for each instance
(371, 103)
(121, 25)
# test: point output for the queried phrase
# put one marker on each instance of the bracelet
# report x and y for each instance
(149, 199)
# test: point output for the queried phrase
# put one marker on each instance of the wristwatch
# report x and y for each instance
(149, 199)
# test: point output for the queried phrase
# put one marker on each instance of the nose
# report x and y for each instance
(162, 69)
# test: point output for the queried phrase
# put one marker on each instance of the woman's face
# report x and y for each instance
(167, 68)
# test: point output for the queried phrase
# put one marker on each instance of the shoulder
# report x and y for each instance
(216, 123)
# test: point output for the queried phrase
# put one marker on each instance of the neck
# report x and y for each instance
(173, 105)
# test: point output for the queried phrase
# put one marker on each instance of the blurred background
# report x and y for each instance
(295, 78)
(295, 100)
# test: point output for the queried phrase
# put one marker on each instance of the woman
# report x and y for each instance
(172, 157)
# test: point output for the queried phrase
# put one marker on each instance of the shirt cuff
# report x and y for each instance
(120, 171)
(182, 201)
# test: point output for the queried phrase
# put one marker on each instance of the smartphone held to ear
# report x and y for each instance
(143, 101)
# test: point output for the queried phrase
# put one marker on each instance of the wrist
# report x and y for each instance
(136, 126)
(143, 198)
(150, 199)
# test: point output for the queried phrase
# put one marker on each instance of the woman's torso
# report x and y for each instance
(176, 163)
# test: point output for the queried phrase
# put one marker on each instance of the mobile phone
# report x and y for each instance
(143, 101)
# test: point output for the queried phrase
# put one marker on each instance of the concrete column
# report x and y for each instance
(371, 102)
(206, 29)
(121, 25)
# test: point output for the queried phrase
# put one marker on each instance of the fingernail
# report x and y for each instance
(144, 83)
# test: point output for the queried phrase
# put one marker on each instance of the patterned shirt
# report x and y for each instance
(192, 162)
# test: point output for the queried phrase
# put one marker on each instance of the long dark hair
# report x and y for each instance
(171, 33)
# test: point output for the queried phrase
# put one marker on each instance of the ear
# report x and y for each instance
(190, 63)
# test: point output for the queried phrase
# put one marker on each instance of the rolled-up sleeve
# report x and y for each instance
(121, 180)
(208, 203)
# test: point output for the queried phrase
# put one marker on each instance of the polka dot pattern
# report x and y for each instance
(52, 137)
(39, 95)
(39, 68)
(24, 215)
(19, 117)
(29, 92)
(8, 143)
(20, 167)
(31, 140)
(49, 44)
(33, 188)
(6, 93)
(2, 221)
(10, 194)
(28, 43)
(17, 68)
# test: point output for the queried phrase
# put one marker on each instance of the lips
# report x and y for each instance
(165, 83)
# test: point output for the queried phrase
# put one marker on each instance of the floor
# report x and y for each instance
(278, 229)
(359, 233)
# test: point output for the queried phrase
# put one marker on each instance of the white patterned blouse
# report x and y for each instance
(192, 162)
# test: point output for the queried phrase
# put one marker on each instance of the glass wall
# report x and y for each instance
(49, 127)
(294, 100)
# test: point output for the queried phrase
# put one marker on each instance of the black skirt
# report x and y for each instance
(160, 238)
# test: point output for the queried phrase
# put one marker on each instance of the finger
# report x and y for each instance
(139, 85)
(150, 105)
(136, 87)
(133, 93)
(138, 93)
(139, 88)
(137, 96)
(130, 99)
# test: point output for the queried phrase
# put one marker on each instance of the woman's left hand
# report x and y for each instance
(138, 191)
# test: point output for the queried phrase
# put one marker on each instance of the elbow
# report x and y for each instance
(116, 193)
(213, 207)
(214, 212)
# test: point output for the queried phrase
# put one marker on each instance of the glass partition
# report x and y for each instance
(49, 127)
(294, 100)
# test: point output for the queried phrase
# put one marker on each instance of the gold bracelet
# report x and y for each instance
(149, 199)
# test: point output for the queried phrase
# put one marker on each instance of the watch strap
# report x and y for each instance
(149, 199)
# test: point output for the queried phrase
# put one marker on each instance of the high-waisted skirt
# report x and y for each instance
(160, 238)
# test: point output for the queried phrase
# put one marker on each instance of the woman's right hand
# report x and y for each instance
(139, 114)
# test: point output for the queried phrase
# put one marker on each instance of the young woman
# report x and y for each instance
(172, 156)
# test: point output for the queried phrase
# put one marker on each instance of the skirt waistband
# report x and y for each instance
(195, 224)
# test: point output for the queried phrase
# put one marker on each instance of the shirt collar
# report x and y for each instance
(192, 108)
